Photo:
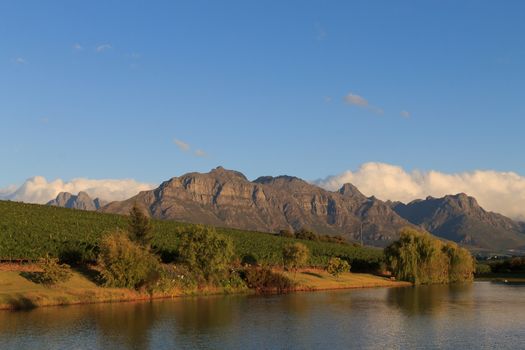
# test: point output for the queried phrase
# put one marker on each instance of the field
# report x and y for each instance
(30, 231)
(318, 279)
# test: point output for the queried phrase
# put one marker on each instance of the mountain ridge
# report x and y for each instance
(228, 198)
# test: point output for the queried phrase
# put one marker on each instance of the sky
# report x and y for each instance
(148, 90)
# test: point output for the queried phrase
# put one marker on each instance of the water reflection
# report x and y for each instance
(455, 316)
(429, 299)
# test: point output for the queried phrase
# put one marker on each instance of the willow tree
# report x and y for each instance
(420, 258)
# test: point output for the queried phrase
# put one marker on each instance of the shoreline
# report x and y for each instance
(19, 293)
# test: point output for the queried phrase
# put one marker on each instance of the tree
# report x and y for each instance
(337, 266)
(419, 258)
(124, 263)
(206, 252)
(139, 227)
(295, 255)
(461, 264)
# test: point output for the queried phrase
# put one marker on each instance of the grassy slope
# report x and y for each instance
(18, 292)
(317, 279)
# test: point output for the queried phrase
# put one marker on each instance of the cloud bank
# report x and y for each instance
(501, 192)
(38, 190)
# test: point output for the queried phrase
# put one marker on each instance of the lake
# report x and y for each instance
(481, 315)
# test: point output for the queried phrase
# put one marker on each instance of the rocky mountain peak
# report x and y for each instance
(281, 180)
(80, 201)
(225, 173)
(350, 190)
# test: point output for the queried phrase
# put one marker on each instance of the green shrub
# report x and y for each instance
(295, 255)
(306, 234)
(125, 264)
(264, 280)
(53, 272)
(336, 266)
(286, 233)
(249, 259)
(206, 252)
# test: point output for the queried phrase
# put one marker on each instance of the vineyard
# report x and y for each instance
(30, 231)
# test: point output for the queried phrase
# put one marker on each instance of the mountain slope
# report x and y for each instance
(227, 198)
(461, 219)
(81, 201)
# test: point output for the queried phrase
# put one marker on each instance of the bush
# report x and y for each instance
(53, 272)
(264, 280)
(286, 233)
(206, 252)
(306, 235)
(419, 258)
(125, 264)
(295, 255)
(249, 259)
(482, 269)
(336, 266)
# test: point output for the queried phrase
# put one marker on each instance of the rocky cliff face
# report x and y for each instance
(460, 218)
(227, 198)
(81, 201)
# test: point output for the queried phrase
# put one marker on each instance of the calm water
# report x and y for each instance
(478, 316)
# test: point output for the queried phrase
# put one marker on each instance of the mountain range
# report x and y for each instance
(227, 198)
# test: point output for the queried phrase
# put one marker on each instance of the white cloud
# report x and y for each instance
(405, 114)
(183, 146)
(78, 47)
(359, 101)
(38, 190)
(200, 153)
(354, 99)
(501, 192)
(103, 47)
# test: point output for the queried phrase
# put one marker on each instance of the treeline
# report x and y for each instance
(420, 258)
(309, 235)
(512, 265)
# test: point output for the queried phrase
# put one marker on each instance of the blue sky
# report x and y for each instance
(101, 89)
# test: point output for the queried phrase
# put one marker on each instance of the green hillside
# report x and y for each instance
(30, 231)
